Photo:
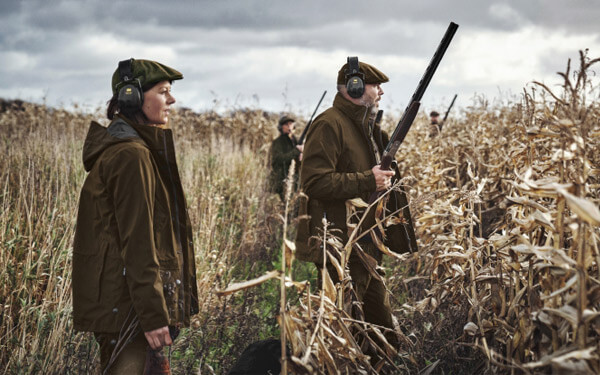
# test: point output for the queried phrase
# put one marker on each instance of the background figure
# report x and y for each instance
(134, 282)
(435, 125)
(341, 161)
(283, 150)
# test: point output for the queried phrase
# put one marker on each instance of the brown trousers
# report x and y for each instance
(135, 358)
(370, 291)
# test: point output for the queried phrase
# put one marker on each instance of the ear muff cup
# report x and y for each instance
(355, 80)
(130, 94)
(131, 97)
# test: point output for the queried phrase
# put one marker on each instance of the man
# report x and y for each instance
(340, 162)
(284, 149)
(435, 126)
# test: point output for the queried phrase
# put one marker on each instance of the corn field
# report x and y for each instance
(504, 200)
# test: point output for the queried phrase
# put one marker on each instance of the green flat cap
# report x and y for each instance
(372, 74)
(285, 119)
(148, 72)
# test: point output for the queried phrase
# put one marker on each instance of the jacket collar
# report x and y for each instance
(153, 136)
(358, 114)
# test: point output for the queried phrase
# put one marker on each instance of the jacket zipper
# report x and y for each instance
(369, 136)
(178, 229)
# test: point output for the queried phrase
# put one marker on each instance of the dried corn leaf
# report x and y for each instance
(333, 261)
(527, 202)
(329, 287)
(356, 202)
(584, 208)
(248, 284)
(471, 328)
(567, 312)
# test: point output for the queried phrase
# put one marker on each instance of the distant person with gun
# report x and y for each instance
(435, 126)
(340, 162)
(284, 149)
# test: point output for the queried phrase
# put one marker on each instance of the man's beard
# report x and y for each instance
(370, 103)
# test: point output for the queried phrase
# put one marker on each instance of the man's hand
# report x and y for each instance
(158, 338)
(383, 179)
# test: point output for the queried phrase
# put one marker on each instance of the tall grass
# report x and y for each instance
(508, 222)
(41, 176)
(504, 201)
(234, 231)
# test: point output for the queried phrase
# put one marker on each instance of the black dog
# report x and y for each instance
(259, 358)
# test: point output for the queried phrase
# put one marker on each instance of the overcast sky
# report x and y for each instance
(281, 55)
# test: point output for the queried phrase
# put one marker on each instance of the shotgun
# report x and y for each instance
(448, 111)
(412, 109)
(303, 135)
(415, 102)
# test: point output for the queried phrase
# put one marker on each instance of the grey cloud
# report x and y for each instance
(580, 15)
(206, 37)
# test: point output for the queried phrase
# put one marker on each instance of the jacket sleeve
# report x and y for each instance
(131, 180)
(319, 176)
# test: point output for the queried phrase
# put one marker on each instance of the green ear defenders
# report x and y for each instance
(355, 80)
(130, 91)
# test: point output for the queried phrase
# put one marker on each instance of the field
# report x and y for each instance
(505, 203)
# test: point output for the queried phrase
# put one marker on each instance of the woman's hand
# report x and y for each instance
(158, 338)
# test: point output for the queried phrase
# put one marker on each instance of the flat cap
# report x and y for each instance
(372, 74)
(148, 72)
(285, 119)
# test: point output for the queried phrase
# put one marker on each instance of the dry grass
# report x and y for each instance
(509, 231)
(506, 280)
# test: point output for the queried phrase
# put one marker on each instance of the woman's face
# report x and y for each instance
(157, 101)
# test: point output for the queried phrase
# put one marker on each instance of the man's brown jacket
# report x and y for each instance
(133, 253)
(336, 166)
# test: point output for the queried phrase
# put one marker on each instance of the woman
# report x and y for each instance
(134, 281)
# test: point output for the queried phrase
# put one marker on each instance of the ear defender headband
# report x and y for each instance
(355, 80)
(130, 91)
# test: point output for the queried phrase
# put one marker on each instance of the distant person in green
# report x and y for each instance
(435, 124)
(134, 275)
(284, 149)
(341, 160)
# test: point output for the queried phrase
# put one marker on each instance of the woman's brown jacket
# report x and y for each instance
(133, 252)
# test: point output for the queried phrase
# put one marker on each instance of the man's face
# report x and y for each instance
(288, 127)
(372, 94)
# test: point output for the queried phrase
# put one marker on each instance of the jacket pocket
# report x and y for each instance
(164, 236)
(87, 273)
(113, 283)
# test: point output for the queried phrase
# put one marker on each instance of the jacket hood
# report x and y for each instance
(99, 138)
